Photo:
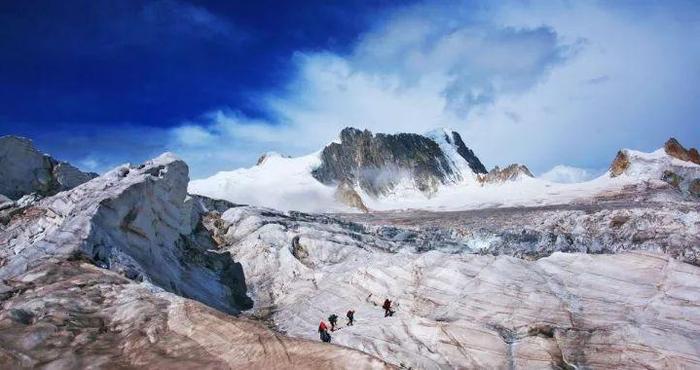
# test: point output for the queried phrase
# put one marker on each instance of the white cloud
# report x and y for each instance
(90, 164)
(535, 83)
(567, 174)
(192, 135)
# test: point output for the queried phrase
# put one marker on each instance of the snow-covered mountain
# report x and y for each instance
(437, 171)
(361, 170)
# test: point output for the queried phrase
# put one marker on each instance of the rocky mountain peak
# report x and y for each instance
(378, 162)
(673, 148)
(466, 153)
(25, 170)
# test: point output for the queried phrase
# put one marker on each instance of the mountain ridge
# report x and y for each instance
(366, 172)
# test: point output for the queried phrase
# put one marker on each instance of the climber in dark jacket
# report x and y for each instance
(351, 317)
(333, 319)
(387, 308)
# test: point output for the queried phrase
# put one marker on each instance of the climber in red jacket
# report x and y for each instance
(323, 331)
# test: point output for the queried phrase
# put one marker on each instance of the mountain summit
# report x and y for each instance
(378, 163)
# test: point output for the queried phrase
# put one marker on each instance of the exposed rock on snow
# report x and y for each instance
(25, 170)
(461, 310)
(676, 150)
(619, 164)
(671, 164)
(513, 172)
(134, 220)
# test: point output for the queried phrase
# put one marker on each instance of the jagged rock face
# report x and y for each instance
(511, 173)
(377, 163)
(466, 153)
(619, 164)
(675, 149)
(25, 170)
(456, 309)
(133, 220)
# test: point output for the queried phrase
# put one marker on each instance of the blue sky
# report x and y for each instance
(100, 83)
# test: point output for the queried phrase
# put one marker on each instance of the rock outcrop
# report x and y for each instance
(513, 172)
(619, 164)
(137, 221)
(673, 164)
(676, 150)
(377, 163)
(25, 170)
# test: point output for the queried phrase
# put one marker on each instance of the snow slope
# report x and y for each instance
(277, 182)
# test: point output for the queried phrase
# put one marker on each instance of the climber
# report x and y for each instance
(333, 319)
(351, 317)
(387, 308)
(323, 331)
